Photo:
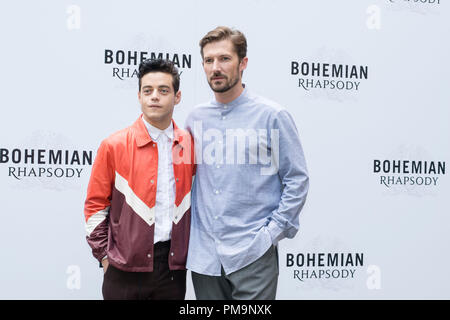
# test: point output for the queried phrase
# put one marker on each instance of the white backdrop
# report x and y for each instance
(365, 233)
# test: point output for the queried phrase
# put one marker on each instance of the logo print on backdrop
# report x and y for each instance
(326, 263)
(121, 58)
(330, 74)
(45, 160)
(421, 7)
(409, 170)
(125, 63)
(424, 2)
(316, 75)
(329, 265)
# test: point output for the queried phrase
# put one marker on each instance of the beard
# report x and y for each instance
(226, 84)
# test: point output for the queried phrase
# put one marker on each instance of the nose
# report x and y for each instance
(216, 66)
(155, 95)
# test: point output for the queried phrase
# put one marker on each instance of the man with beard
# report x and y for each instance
(245, 198)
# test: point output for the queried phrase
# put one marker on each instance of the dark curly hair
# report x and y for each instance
(160, 65)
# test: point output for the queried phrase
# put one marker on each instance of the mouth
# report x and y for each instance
(217, 78)
(154, 106)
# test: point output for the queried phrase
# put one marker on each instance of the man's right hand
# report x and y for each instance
(105, 264)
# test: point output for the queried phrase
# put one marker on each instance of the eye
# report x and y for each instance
(164, 91)
(208, 60)
(147, 91)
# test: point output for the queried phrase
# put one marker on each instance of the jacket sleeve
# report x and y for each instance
(98, 201)
(292, 171)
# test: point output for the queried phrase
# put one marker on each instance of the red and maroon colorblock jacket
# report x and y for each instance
(120, 203)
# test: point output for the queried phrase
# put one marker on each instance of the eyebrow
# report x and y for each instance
(162, 86)
(220, 55)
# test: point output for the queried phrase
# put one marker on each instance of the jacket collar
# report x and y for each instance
(143, 137)
(155, 133)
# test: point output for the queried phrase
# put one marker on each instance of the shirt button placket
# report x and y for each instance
(223, 116)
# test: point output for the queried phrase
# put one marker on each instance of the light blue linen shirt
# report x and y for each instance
(250, 185)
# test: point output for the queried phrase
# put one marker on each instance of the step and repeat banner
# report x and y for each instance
(367, 82)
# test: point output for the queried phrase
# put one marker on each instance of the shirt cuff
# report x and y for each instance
(100, 265)
(276, 233)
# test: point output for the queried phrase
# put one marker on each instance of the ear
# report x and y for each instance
(139, 94)
(177, 97)
(243, 64)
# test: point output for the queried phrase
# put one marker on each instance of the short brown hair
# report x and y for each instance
(221, 33)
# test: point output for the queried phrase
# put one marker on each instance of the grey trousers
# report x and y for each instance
(257, 281)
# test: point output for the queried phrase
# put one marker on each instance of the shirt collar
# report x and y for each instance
(243, 97)
(155, 132)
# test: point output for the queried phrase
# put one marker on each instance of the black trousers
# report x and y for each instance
(161, 284)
